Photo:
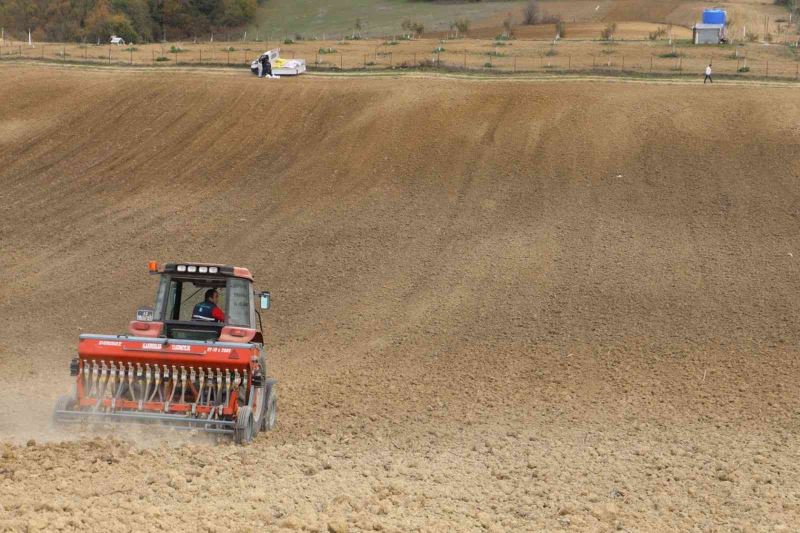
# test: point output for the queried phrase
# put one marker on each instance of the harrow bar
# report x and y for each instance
(175, 421)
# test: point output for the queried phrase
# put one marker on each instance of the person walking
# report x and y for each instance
(708, 75)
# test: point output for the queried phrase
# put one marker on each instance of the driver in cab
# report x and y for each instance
(207, 310)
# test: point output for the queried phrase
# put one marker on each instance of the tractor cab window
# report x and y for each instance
(184, 295)
(240, 294)
(178, 296)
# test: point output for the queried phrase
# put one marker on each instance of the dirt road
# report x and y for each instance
(498, 306)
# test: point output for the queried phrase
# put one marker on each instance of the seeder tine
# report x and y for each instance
(130, 382)
(87, 377)
(183, 384)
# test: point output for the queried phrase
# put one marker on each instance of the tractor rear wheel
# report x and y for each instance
(270, 415)
(243, 429)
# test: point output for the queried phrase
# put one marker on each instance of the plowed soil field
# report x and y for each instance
(504, 305)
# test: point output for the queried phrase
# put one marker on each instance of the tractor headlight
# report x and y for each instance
(181, 268)
(191, 268)
(213, 270)
(202, 270)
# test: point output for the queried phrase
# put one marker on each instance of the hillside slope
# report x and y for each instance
(489, 296)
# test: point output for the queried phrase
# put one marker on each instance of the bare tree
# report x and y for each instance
(530, 15)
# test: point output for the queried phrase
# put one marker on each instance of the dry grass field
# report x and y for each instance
(499, 305)
(630, 55)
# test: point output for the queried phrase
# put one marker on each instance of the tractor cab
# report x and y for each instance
(182, 286)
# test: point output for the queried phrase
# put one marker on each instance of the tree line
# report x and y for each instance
(133, 20)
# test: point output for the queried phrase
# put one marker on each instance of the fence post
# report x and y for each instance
(415, 59)
(341, 61)
(391, 59)
(594, 59)
(515, 64)
(569, 62)
(176, 56)
(43, 47)
(229, 56)
(64, 53)
(365, 61)
(153, 53)
(85, 51)
(767, 68)
(680, 64)
(244, 53)
(651, 62)
(797, 71)
(438, 61)
(109, 55)
(201, 56)
(131, 50)
(623, 63)
(465, 59)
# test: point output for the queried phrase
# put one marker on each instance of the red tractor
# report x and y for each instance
(181, 365)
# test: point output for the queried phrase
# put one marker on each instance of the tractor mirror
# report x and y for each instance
(265, 300)
(145, 314)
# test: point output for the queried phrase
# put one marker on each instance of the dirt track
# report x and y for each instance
(505, 306)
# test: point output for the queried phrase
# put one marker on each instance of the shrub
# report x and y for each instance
(658, 34)
(438, 50)
(670, 54)
(462, 25)
(607, 33)
(550, 19)
(743, 69)
(175, 49)
(390, 43)
(752, 37)
(508, 27)
(552, 52)
(288, 41)
(530, 15)
(561, 28)
(410, 26)
(327, 50)
(488, 64)
(162, 58)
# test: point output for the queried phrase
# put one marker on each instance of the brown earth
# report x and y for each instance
(499, 305)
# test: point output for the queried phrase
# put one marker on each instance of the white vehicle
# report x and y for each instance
(280, 66)
(117, 40)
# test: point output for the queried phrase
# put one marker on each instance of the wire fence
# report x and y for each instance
(545, 59)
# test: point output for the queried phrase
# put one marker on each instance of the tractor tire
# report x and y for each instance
(260, 404)
(243, 431)
(64, 403)
(271, 406)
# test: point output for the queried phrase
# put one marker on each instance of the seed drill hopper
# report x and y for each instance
(177, 368)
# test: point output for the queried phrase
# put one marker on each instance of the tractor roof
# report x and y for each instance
(213, 269)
